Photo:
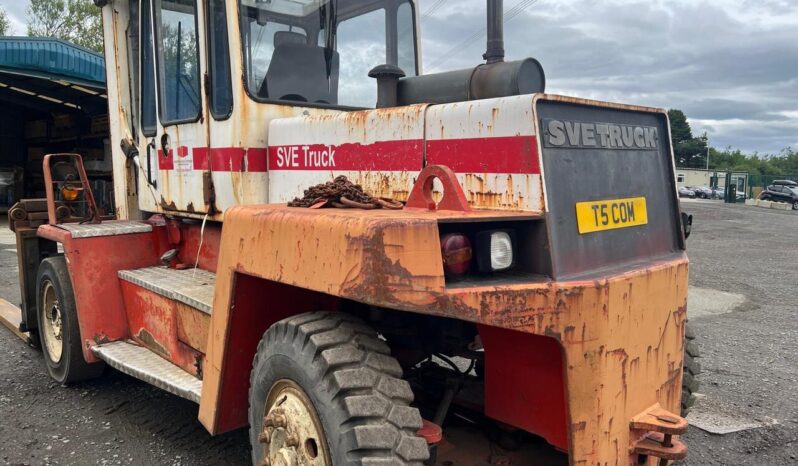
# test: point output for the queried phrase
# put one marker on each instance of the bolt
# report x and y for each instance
(265, 436)
(274, 419)
(292, 440)
(280, 421)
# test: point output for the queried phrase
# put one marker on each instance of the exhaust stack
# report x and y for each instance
(495, 78)
(495, 51)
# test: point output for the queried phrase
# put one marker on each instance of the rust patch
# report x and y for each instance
(167, 206)
(151, 343)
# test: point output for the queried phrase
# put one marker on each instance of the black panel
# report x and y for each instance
(598, 167)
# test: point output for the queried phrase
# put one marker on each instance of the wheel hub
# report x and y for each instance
(292, 434)
(52, 323)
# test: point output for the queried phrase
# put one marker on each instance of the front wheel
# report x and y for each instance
(325, 391)
(794, 205)
(59, 332)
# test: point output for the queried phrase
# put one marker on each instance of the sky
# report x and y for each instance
(730, 65)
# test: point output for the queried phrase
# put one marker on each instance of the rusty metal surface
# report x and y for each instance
(421, 197)
(492, 146)
(93, 264)
(145, 365)
(193, 287)
(381, 150)
(621, 335)
(154, 323)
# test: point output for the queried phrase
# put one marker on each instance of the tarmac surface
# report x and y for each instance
(743, 307)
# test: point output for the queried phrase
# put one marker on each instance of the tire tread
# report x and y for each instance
(364, 382)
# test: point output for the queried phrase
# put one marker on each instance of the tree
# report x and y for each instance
(5, 24)
(688, 150)
(76, 21)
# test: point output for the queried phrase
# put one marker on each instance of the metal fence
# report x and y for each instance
(757, 183)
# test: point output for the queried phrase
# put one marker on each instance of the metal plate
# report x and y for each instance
(595, 153)
(145, 365)
(193, 287)
(107, 228)
(593, 216)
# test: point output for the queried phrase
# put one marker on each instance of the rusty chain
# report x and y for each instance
(343, 194)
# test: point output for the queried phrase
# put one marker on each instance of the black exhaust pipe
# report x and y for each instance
(495, 78)
(495, 51)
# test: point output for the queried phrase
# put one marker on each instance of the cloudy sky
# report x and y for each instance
(731, 65)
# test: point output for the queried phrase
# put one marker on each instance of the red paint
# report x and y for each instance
(189, 246)
(166, 162)
(525, 383)
(93, 265)
(258, 160)
(453, 196)
(516, 154)
(378, 156)
(153, 323)
(257, 305)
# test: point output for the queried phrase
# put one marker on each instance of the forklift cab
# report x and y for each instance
(207, 77)
(320, 52)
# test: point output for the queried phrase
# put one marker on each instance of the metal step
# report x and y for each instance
(193, 287)
(106, 228)
(145, 365)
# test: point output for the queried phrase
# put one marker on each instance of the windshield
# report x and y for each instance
(320, 51)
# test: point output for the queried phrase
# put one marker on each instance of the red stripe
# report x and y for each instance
(201, 159)
(258, 160)
(227, 159)
(515, 154)
(167, 162)
(379, 156)
(230, 159)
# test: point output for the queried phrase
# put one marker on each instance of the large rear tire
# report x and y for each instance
(324, 391)
(59, 332)
(692, 368)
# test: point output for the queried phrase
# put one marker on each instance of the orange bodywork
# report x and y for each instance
(621, 336)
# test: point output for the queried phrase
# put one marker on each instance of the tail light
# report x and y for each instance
(457, 253)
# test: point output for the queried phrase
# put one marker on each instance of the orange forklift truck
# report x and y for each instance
(506, 266)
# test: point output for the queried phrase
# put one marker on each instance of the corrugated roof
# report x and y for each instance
(52, 59)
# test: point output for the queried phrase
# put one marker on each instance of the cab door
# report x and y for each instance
(181, 135)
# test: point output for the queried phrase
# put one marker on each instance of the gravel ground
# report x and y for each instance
(749, 364)
(749, 355)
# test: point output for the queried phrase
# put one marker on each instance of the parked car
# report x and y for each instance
(786, 183)
(718, 193)
(701, 191)
(781, 193)
(684, 192)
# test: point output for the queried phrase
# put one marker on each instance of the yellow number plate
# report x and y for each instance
(611, 214)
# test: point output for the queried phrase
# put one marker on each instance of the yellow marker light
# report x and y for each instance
(70, 193)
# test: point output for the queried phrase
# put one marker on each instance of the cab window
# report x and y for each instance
(148, 116)
(178, 61)
(319, 52)
(221, 89)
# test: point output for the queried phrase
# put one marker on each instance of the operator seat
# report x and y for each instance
(298, 71)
